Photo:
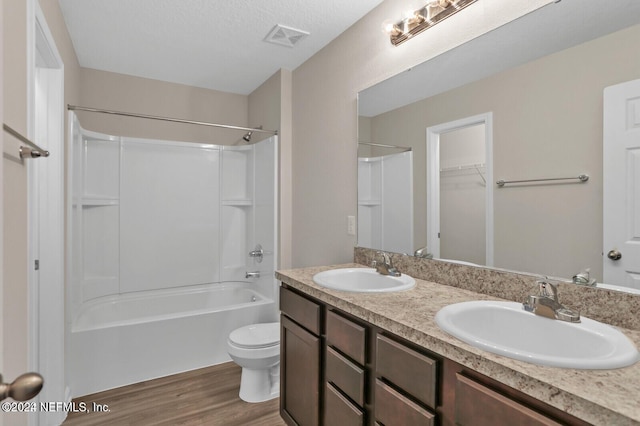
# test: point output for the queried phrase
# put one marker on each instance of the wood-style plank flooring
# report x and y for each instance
(207, 396)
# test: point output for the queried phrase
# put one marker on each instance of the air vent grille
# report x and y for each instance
(285, 36)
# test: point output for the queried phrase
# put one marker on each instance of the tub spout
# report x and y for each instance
(255, 274)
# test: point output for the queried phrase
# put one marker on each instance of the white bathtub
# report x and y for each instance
(119, 340)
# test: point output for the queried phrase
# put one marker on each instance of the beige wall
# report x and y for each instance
(325, 116)
(119, 92)
(547, 118)
(14, 178)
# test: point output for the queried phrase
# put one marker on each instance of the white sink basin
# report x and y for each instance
(363, 280)
(505, 328)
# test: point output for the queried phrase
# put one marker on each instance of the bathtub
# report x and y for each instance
(119, 340)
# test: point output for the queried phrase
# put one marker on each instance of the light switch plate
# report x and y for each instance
(351, 225)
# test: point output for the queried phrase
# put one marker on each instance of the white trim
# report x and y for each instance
(433, 179)
(276, 220)
(2, 200)
(46, 213)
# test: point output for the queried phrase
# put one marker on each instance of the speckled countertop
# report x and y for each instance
(601, 397)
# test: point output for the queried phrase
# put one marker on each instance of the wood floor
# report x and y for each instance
(208, 396)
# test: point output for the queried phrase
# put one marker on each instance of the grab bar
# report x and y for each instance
(34, 152)
(581, 178)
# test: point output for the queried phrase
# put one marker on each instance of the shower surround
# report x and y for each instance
(159, 251)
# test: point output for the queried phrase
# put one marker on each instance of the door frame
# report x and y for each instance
(433, 179)
(45, 186)
(2, 342)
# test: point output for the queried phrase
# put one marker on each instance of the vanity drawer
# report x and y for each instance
(479, 405)
(410, 370)
(301, 310)
(345, 375)
(338, 410)
(346, 336)
(392, 408)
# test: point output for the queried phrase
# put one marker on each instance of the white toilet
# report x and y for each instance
(256, 348)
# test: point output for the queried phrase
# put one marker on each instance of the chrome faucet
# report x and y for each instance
(386, 267)
(546, 304)
(423, 253)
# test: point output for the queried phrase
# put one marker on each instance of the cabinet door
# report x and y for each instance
(477, 405)
(299, 374)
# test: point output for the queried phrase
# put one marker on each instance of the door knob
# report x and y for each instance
(614, 254)
(23, 388)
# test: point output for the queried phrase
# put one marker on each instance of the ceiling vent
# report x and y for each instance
(285, 36)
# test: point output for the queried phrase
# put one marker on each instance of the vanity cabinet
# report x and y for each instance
(300, 356)
(337, 369)
(346, 375)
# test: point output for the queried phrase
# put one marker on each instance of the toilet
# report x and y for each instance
(256, 348)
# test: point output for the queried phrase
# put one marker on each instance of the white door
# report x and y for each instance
(621, 184)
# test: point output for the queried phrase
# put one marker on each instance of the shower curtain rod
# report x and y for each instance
(173, 120)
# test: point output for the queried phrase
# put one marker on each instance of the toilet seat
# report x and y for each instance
(256, 336)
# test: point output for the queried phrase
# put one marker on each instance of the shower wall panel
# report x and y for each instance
(148, 215)
(169, 215)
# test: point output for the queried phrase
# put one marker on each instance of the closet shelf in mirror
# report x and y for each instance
(466, 167)
(462, 167)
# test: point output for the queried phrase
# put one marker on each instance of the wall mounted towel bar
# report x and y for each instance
(581, 178)
(25, 152)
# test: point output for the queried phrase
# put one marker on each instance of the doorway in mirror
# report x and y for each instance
(459, 201)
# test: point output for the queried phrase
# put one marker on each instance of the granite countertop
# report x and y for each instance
(601, 397)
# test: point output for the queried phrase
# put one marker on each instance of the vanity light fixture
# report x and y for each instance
(419, 20)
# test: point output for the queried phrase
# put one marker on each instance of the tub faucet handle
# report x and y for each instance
(257, 253)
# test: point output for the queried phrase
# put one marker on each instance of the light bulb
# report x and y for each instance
(390, 28)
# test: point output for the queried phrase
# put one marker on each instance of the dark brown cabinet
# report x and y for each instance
(346, 372)
(406, 391)
(479, 405)
(337, 369)
(300, 358)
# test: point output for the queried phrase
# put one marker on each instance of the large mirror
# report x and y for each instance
(523, 102)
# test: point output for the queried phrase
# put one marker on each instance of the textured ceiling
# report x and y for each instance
(216, 44)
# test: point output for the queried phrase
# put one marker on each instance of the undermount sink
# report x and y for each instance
(362, 280)
(505, 328)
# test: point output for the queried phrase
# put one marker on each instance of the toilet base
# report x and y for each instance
(260, 385)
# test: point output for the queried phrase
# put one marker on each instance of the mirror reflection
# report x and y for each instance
(541, 79)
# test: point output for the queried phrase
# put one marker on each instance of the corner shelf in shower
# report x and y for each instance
(238, 203)
(97, 201)
(369, 202)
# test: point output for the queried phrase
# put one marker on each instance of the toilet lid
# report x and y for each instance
(256, 335)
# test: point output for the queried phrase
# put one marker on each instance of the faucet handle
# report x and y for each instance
(548, 289)
(385, 257)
